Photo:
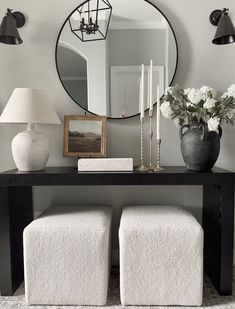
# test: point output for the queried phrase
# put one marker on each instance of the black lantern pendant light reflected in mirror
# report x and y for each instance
(8, 29)
(225, 33)
(90, 21)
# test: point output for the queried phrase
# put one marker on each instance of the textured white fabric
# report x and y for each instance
(66, 256)
(161, 257)
(211, 298)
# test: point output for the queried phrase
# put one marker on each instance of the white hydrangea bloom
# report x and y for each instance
(210, 103)
(166, 110)
(206, 90)
(168, 90)
(231, 114)
(195, 95)
(176, 122)
(224, 96)
(231, 91)
(189, 104)
(186, 91)
(213, 124)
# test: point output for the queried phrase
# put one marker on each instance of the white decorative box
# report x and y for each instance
(105, 165)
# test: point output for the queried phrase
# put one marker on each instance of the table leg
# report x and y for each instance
(16, 212)
(218, 222)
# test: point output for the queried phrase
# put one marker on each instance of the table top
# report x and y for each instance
(67, 176)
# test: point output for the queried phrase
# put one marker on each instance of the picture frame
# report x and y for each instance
(85, 136)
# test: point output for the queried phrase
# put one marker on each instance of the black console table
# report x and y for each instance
(16, 212)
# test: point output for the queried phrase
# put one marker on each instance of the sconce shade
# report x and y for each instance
(8, 29)
(29, 106)
(225, 33)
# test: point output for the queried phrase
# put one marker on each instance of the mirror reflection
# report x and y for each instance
(101, 47)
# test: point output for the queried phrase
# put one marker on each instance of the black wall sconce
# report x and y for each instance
(8, 29)
(225, 33)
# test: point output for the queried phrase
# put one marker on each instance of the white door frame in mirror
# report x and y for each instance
(123, 93)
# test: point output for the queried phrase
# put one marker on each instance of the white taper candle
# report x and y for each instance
(151, 86)
(140, 96)
(142, 92)
(158, 113)
(148, 97)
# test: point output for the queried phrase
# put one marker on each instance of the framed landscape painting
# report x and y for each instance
(85, 136)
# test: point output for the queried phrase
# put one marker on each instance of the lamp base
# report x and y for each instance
(30, 150)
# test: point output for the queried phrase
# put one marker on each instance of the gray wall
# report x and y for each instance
(33, 65)
(78, 90)
(133, 47)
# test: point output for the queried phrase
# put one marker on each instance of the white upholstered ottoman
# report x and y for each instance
(66, 256)
(161, 257)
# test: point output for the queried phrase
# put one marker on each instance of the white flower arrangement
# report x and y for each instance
(196, 106)
(166, 110)
(213, 124)
(210, 103)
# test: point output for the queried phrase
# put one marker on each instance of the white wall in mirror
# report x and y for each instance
(74, 72)
(138, 32)
(95, 57)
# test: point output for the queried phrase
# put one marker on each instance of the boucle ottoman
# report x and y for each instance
(66, 256)
(161, 257)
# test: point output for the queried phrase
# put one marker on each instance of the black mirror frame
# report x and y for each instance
(113, 118)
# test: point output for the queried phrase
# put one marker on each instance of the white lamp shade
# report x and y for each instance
(28, 105)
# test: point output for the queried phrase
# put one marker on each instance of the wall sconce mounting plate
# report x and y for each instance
(215, 17)
(20, 19)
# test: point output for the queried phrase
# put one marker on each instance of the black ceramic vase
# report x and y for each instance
(200, 147)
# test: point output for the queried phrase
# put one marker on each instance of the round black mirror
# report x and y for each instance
(100, 48)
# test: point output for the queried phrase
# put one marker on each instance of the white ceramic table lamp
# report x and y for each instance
(30, 149)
